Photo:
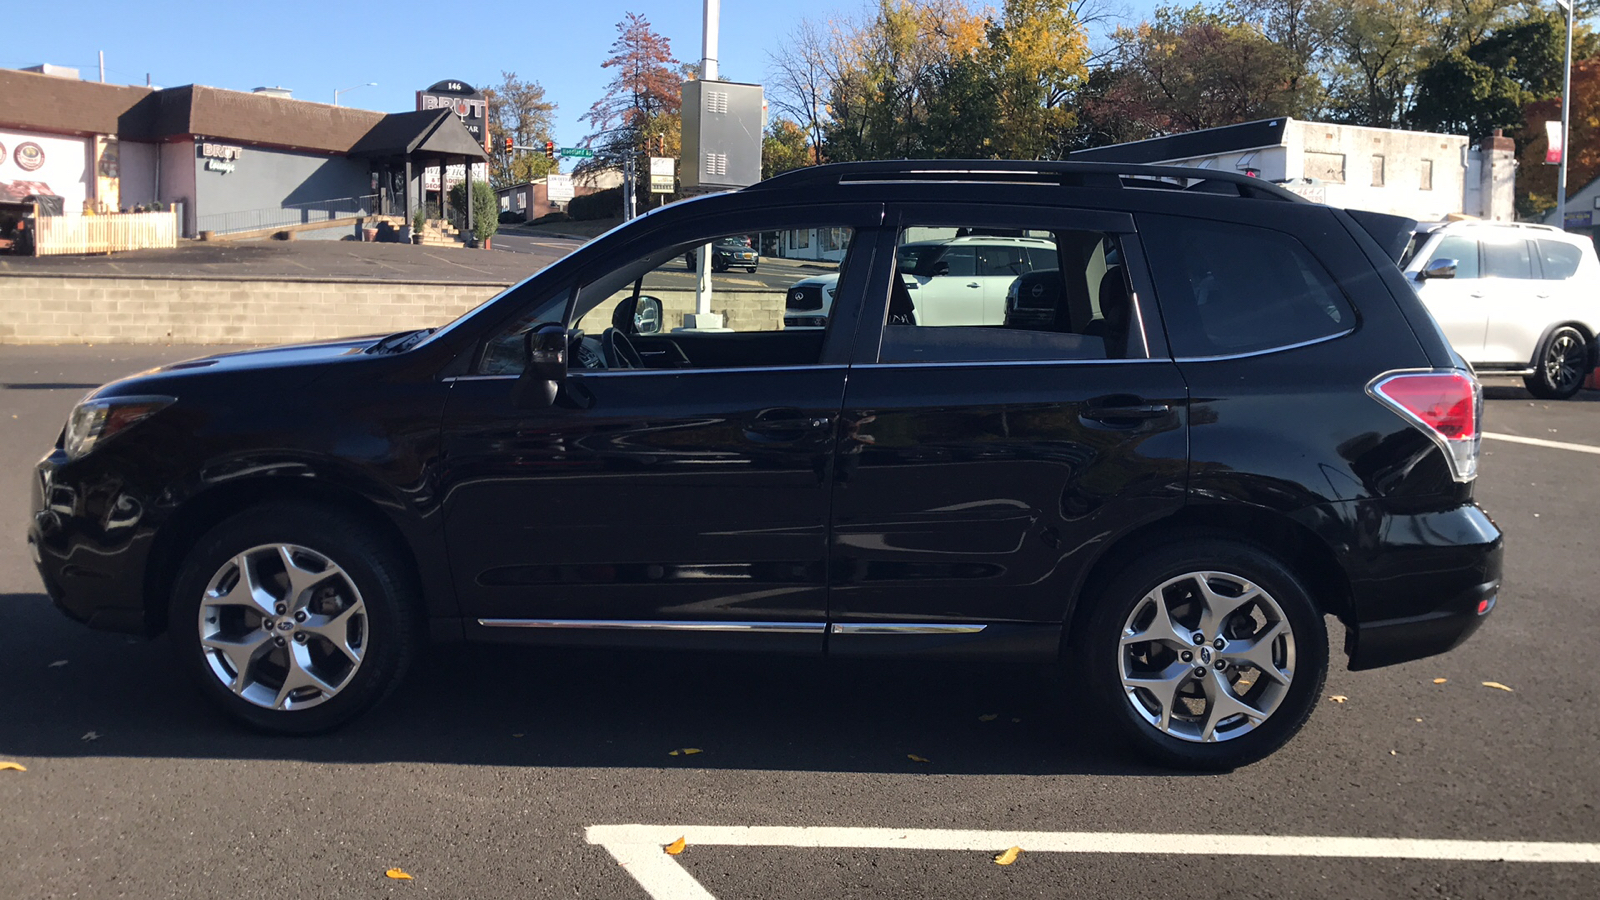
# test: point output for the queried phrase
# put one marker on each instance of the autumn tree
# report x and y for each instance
(645, 86)
(784, 147)
(1536, 182)
(518, 110)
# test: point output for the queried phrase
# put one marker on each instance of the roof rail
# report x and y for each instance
(1067, 174)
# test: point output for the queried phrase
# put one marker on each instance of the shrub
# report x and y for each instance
(606, 204)
(485, 208)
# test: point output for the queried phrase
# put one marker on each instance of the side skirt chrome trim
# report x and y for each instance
(653, 625)
(892, 628)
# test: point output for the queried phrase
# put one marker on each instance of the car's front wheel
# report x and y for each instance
(1205, 654)
(294, 619)
(1562, 364)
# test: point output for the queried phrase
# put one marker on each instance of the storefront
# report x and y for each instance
(231, 162)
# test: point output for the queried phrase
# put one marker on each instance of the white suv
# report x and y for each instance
(1513, 299)
(954, 281)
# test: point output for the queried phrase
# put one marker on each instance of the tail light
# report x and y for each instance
(1446, 404)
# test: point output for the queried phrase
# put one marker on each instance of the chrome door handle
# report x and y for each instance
(974, 284)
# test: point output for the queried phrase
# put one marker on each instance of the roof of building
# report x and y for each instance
(1205, 142)
(29, 100)
(426, 132)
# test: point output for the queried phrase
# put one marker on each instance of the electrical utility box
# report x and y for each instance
(722, 125)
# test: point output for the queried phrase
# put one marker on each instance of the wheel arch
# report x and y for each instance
(1299, 549)
(1584, 329)
(209, 508)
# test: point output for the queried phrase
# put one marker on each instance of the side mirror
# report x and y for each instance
(544, 367)
(941, 269)
(637, 315)
(1438, 268)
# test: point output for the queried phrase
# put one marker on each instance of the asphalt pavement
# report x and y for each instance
(487, 774)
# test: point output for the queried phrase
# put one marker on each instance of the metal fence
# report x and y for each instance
(287, 215)
(111, 233)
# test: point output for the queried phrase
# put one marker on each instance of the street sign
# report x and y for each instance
(558, 188)
(661, 174)
(576, 152)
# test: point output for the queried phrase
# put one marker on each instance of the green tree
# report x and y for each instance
(485, 207)
(518, 110)
(1037, 63)
(784, 147)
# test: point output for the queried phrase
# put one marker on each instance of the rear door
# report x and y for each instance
(1519, 303)
(981, 466)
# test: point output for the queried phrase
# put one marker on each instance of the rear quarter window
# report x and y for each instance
(1560, 259)
(1226, 288)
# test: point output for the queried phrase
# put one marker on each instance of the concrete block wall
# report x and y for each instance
(741, 310)
(57, 310)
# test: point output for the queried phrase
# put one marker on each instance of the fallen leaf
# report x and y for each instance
(1338, 698)
(398, 874)
(12, 767)
(687, 751)
(1008, 857)
(676, 847)
(57, 664)
(1419, 720)
(91, 736)
(915, 758)
(988, 718)
(1440, 680)
(1392, 753)
(1498, 686)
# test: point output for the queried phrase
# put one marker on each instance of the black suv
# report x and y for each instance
(1236, 419)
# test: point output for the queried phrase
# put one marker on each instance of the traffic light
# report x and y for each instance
(508, 143)
(549, 149)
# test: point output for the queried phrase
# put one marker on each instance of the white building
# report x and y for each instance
(1419, 174)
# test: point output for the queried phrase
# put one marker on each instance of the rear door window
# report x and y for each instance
(1226, 288)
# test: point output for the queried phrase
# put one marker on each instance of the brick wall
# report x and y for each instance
(56, 310)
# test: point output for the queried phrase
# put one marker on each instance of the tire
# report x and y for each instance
(1282, 616)
(348, 644)
(688, 263)
(1560, 366)
(750, 269)
(718, 267)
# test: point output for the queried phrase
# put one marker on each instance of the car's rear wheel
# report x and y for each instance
(294, 619)
(1207, 654)
(1562, 364)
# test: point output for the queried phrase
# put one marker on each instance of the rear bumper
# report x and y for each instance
(1421, 582)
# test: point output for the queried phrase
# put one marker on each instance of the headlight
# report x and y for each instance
(92, 421)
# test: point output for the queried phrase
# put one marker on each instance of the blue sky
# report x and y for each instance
(404, 45)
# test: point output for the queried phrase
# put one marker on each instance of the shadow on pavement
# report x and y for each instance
(517, 706)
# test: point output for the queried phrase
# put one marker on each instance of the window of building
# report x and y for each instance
(984, 296)
(1327, 167)
(1377, 170)
(1560, 260)
(1427, 175)
(1239, 289)
(1508, 259)
(1463, 250)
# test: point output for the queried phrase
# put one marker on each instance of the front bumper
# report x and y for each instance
(90, 541)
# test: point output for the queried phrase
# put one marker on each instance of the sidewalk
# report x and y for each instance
(293, 260)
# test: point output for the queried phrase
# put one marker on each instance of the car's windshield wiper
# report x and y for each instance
(400, 340)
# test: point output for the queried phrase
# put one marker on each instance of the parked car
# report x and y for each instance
(1514, 299)
(727, 253)
(1240, 419)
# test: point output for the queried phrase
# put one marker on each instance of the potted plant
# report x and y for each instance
(417, 220)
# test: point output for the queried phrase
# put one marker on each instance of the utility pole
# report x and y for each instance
(703, 319)
(103, 65)
(1566, 124)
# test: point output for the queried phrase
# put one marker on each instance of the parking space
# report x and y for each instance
(484, 775)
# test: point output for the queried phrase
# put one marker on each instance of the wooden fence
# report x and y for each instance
(57, 235)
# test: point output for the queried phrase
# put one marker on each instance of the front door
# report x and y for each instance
(1460, 304)
(678, 490)
(980, 466)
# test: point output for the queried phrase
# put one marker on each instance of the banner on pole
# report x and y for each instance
(1552, 154)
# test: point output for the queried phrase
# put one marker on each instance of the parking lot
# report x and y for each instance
(503, 773)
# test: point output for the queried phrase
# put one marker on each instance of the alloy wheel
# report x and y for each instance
(282, 626)
(1564, 361)
(1206, 657)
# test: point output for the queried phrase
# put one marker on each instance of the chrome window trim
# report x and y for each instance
(897, 628)
(659, 625)
(1226, 356)
(1007, 362)
(591, 373)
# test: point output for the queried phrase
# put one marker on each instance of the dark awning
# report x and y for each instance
(427, 132)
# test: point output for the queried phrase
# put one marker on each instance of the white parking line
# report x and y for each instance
(1540, 442)
(639, 848)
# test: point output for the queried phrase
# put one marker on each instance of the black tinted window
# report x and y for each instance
(1463, 250)
(1560, 259)
(1227, 288)
(1002, 261)
(1507, 260)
